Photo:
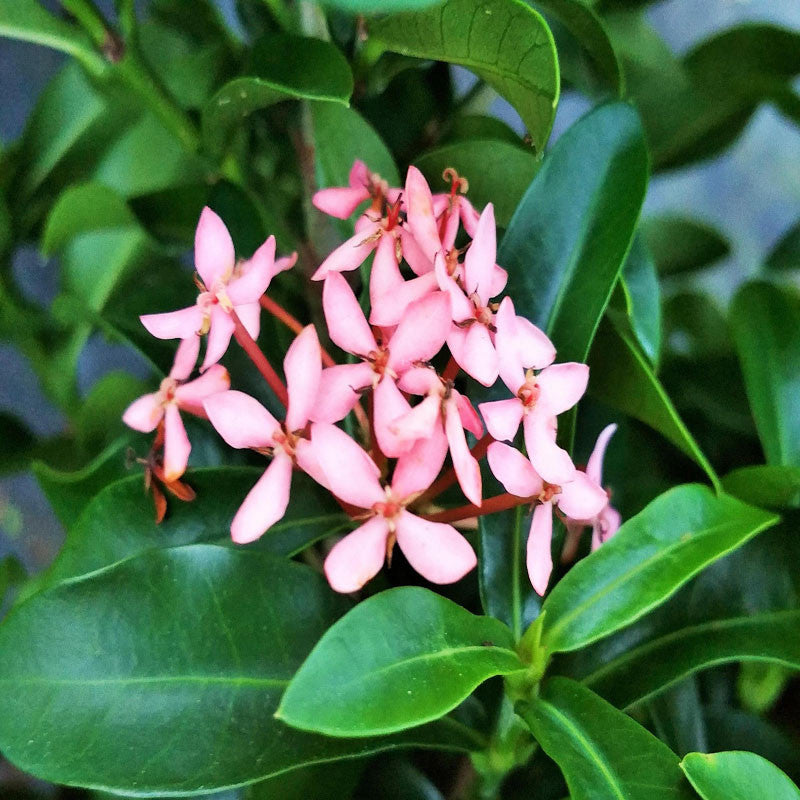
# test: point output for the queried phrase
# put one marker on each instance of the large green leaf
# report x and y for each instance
(359, 681)
(682, 244)
(603, 753)
(373, 6)
(504, 42)
(160, 674)
(786, 253)
(283, 67)
(765, 321)
(621, 376)
(645, 670)
(12, 574)
(651, 556)
(764, 485)
(737, 775)
(567, 241)
(498, 172)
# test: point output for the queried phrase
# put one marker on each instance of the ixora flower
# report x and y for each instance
(244, 423)
(175, 394)
(342, 201)
(579, 499)
(436, 550)
(225, 287)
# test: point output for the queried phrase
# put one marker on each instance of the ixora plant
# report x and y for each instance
(422, 516)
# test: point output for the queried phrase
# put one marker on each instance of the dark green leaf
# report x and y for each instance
(651, 556)
(766, 486)
(568, 239)
(476, 126)
(642, 298)
(12, 574)
(737, 776)
(498, 172)
(327, 781)
(504, 42)
(677, 716)
(18, 444)
(359, 681)
(765, 321)
(621, 376)
(283, 67)
(786, 253)
(106, 685)
(646, 670)
(683, 244)
(374, 6)
(603, 753)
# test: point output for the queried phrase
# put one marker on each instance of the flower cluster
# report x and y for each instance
(436, 315)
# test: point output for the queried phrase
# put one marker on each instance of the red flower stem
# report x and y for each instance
(451, 370)
(447, 479)
(258, 358)
(501, 502)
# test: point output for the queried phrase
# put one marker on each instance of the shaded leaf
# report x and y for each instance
(683, 244)
(764, 485)
(786, 253)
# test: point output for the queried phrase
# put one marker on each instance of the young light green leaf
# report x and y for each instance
(400, 658)
(652, 555)
(764, 485)
(602, 752)
(567, 241)
(504, 42)
(621, 376)
(737, 775)
(105, 685)
(765, 321)
(644, 671)
(284, 67)
(682, 244)
(498, 172)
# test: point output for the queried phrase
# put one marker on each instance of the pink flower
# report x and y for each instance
(444, 413)
(224, 288)
(342, 201)
(539, 398)
(244, 423)
(175, 394)
(436, 550)
(581, 498)
(418, 337)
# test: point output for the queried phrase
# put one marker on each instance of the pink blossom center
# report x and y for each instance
(529, 393)
(549, 491)
(378, 360)
(166, 391)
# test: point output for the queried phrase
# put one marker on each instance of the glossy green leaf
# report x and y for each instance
(786, 253)
(737, 775)
(360, 682)
(764, 485)
(682, 244)
(498, 172)
(621, 376)
(125, 508)
(104, 684)
(567, 241)
(506, 591)
(603, 753)
(652, 555)
(327, 781)
(641, 298)
(375, 6)
(283, 67)
(504, 42)
(645, 670)
(677, 716)
(765, 321)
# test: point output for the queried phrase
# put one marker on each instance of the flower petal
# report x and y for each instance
(303, 369)
(358, 557)
(513, 470)
(339, 390)
(250, 316)
(340, 201)
(307, 460)
(417, 469)
(352, 475)
(190, 396)
(350, 255)
(421, 219)
(502, 417)
(241, 420)
(181, 324)
(420, 421)
(185, 358)
(389, 405)
(219, 336)
(214, 257)
(255, 276)
(470, 420)
(539, 559)
(605, 526)
(421, 333)
(419, 380)
(176, 444)
(594, 467)
(479, 261)
(435, 550)
(467, 469)
(265, 503)
(347, 326)
(562, 385)
(388, 308)
(144, 413)
(472, 348)
(581, 498)
(415, 256)
(385, 276)
(548, 459)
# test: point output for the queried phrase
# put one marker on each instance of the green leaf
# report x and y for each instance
(603, 753)
(504, 42)
(498, 172)
(506, 591)
(106, 685)
(642, 298)
(682, 244)
(737, 775)
(375, 6)
(786, 253)
(283, 67)
(125, 508)
(764, 485)
(639, 673)
(359, 681)
(19, 444)
(569, 237)
(12, 574)
(652, 555)
(621, 376)
(765, 321)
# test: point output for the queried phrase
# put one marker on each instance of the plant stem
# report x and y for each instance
(258, 358)
(501, 502)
